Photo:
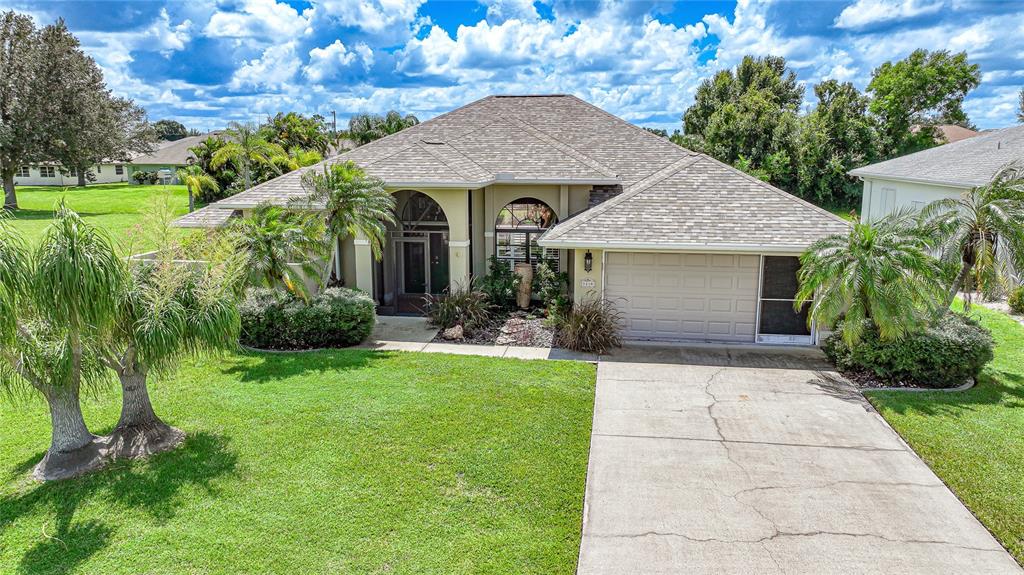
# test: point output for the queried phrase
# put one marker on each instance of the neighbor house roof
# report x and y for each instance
(174, 153)
(208, 217)
(963, 164)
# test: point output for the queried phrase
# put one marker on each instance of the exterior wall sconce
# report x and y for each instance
(588, 262)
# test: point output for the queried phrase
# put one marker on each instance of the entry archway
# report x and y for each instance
(420, 248)
(517, 228)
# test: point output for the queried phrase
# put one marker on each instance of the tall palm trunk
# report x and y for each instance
(139, 432)
(961, 277)
(191, 200)
(73, 449)
(10, 197)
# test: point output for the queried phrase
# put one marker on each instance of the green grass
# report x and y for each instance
(118, 208)
(973, 440)
(331, 462)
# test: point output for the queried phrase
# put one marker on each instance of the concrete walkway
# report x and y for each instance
(747, 461)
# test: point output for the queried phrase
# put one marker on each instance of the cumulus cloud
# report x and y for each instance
(326, 62)
(371, 15)
(265, 19)
(864, 13)
(273, 69)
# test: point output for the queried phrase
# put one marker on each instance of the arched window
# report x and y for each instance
(517, 228)
(422, 211)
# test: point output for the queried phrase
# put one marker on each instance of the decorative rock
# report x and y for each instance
(454, 333)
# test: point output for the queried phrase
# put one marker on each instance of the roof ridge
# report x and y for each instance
(560, 145)
(634, 190)
(469, 177)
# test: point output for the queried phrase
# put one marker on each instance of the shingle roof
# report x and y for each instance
(208, 217)
(172, 153)
(698, 202)
(966, 163)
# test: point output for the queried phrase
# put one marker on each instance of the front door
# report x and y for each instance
(414, 267)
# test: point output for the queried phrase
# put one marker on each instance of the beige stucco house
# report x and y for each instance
(689, 249)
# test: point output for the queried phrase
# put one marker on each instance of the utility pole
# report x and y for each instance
(334, 124)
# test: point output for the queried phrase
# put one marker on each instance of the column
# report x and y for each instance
(364, 264)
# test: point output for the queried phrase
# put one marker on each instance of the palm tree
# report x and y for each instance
(296, 158)
(981, 230)
(354, 204)
(57, 302)
(196, 180)
(205, 150)
(365, 128)
(880, 271)
(273, 239)
(247, 149)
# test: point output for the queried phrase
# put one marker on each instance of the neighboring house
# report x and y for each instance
(51, 174)
(915, 180)
(688, 248)
(949, 133)
(168, 157)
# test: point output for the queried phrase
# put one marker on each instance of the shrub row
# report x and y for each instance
(336, 317)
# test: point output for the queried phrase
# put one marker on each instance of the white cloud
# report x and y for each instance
(501, 10)
(262, 19)
(325, 62)
(864, 13)
(371, 15)
(274, 69)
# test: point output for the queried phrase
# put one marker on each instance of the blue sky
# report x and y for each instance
(205, 63)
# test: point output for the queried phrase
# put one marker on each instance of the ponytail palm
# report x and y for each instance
(880, 271)
(982, 231)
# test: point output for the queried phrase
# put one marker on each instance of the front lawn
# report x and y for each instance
(973, 440)
(331, 462)
(117, 208)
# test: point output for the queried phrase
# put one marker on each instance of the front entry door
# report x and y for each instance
(414, 267)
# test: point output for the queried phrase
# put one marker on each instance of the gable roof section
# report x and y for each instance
(963, 164)
(174, 153)
(699, 203)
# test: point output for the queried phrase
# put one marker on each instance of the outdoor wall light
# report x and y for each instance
(588, 262)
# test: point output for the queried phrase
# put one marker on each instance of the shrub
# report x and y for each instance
(943, 355)
(141, 176)
(468, 308)
(1016, 300)
(500, 284)
(336, 317)
(552, 289)
(590, 326)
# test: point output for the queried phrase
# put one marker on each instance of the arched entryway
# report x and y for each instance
(517, 228)
(419, 248)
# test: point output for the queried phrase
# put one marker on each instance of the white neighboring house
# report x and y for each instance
(946, 171)
(169, 156)
(51, 174)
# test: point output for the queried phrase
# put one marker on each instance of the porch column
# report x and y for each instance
(563, 214)
(489, 215)
(458, 240)
(364, 264)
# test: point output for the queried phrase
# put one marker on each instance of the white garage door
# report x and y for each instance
(698, 297)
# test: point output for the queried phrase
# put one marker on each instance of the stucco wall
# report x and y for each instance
(104, 174)
(587, 285)
(883, 197)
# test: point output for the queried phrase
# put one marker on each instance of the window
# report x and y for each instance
(99, 169)
(517, 228)
(47, 172)
(119, 170)
(73, 172)
(23, 172)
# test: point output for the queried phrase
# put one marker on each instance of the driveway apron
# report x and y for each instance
(745, 461)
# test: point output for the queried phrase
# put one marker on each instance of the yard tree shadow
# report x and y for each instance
(264, 367)
(152, 486)
(31, 214)
(994, 386)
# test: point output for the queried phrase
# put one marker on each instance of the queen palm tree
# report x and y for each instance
(56, 303)
(880, 271)
(247, 149)
(982, 231)
(274, 238)
(365, 128)
(296, 158)
(196, 180)
(354, 204)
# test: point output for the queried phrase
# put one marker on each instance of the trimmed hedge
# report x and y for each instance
(944, 355)
(336, 317)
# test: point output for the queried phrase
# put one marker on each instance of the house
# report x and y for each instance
(689, 248)
(915, 180)
(949, 133)
(52, 174)
(168, 157)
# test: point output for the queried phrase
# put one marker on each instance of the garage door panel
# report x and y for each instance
(703, 297)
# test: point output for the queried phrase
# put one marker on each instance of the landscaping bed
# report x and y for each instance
(518, 328)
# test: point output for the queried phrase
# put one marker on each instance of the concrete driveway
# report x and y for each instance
(712, 460)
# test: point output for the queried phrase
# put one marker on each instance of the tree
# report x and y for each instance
(91, 124)
(836, 137)
(56, 303)
(365, 128)
(354, 203)
(750, 113)
(925, 88)
(21, 102)
(247, 150)
(294, 130)
(981, 230)
(880, 271)
(196, 180)
(170, 130)
(273, 238)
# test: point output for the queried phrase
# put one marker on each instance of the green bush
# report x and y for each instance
(141, 176)
(552, 289)
(944, 355)
(591, 326)
(1016, 300)
(500, 284)
(468, 308)
(336, 317)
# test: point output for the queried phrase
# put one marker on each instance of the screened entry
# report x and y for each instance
(420, 249)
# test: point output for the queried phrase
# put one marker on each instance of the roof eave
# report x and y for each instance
(675, 246)
(863, 174)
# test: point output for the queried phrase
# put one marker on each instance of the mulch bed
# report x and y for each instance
(519, 328)
(867, 380)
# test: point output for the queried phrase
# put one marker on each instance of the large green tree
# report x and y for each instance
(169, 130)
(749, 116)
(296, 131)
(21, 99)
(836, 137)
(925, 88)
